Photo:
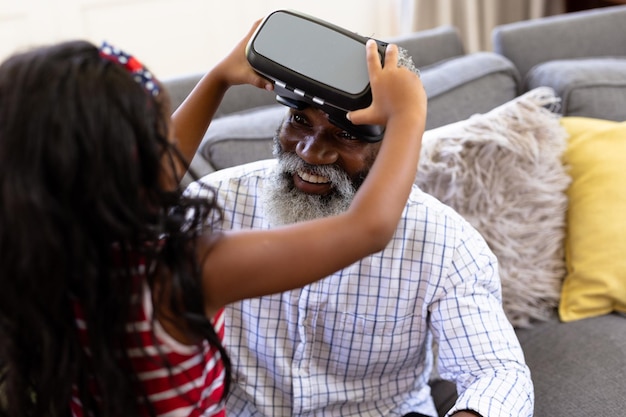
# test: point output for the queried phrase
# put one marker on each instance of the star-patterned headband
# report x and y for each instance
(130, 63)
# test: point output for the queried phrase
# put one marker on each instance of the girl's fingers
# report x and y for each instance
(371, 114)
(373, 58)
(391, 56)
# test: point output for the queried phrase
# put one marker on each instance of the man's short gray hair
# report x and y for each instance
(405, 60)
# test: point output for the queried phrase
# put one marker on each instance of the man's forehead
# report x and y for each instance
(311, 109)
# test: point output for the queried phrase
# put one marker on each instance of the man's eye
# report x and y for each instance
(300, 119)
(346, 135)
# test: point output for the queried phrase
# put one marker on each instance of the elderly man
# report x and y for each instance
(360, 342)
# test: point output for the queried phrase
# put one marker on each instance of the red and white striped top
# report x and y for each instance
(194, 384)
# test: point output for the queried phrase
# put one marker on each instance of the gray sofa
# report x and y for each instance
(578, 367)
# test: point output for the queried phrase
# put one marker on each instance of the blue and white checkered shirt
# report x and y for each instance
(359, 342)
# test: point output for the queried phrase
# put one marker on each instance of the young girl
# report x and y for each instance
(112, 282)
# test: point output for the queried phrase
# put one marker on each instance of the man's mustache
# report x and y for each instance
(291, 163)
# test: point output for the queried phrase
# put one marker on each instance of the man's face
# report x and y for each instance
(320, 168)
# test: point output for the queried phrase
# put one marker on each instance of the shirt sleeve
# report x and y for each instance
(478, 348)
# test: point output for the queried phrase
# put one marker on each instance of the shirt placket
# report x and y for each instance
(310, 302)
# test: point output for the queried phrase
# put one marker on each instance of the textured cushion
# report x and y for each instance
(502, 171)
(593, 87)
(596, 228)
(578, 367)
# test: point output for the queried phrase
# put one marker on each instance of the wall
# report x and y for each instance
(171, 37)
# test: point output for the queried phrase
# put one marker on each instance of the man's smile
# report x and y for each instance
(312, 178)
(311, 183)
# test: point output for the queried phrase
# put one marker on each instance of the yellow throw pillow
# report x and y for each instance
(595, 245)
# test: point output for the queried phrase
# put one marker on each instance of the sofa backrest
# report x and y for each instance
(427, 47)
(588, 33)
(581, 55)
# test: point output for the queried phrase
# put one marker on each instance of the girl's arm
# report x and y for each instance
(192, 118)
(244, 264)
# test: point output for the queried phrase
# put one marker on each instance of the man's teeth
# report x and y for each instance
(315, 179)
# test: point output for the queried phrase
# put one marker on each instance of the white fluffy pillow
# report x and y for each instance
(502, 171)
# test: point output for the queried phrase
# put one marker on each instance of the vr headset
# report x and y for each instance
(315, 63)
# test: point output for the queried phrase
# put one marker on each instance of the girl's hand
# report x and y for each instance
(192, 118)
(234, 69)
(396, 91)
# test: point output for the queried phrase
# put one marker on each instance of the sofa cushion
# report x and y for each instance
(578, 367)
(502, 171)
(242, 137)
(596, 229)
(589, 87)
(460, 87)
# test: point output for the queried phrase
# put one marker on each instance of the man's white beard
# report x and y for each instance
(285, 204)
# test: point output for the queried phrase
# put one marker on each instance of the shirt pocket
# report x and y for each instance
(359, 346)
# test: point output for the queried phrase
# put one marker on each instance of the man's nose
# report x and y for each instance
(318, 149)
